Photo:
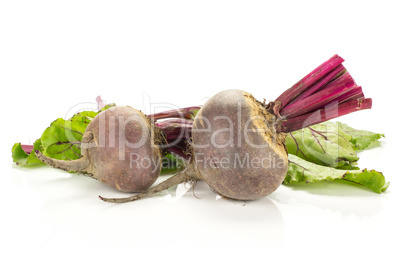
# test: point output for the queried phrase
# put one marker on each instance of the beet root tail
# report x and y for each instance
(77, 165)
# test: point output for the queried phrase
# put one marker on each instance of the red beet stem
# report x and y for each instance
(176, 125)
(27, 148)
(100, 102)
(338, 71)
(179, 133)
(184, 113)
(332, 110)
(334, 90)
(334, 94)
(309, 80)
(176, 122)
(355, 93)
(174, 130)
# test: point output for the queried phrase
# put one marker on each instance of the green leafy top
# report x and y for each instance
(330, 144)
(22, 158)
(325, 151)
(61, 140)
(324, 144)
(361, 139)
(303, 171)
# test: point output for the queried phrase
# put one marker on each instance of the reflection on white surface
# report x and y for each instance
(177, 216)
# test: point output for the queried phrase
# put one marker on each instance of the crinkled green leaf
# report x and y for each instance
(361, 139)
(193, 112)
(20, 157)
(32, 159)
(84, 117)
(18, 154)
(107, 106)
(61, 140)
(324, 144)
(303, 171)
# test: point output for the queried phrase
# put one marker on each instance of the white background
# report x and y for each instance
(57, 56)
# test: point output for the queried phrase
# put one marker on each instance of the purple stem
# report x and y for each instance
(331, 111)
(309, 80)
(355, 93)
(100, 102)
(338, 71)
(179, 133)
(184, 113)
(174, 123)
(175, 130)
(344, 84)
(27, 148)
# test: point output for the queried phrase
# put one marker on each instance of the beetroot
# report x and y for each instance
(238, 143)
(239, 154)
(120, 147)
